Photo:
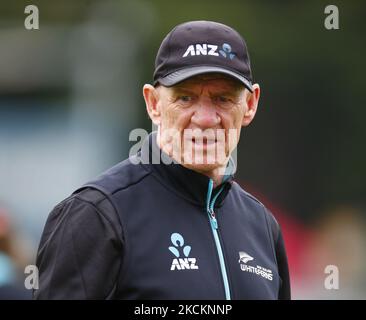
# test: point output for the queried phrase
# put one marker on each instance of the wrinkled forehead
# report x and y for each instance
(216, 79)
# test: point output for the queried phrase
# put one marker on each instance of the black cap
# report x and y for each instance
(198, 47)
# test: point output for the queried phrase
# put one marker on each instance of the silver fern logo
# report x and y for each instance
(244, 257)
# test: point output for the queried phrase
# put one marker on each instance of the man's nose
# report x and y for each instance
(205, 115)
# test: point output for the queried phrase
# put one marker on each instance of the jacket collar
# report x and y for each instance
(189, 184)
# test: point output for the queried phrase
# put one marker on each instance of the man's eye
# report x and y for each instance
(222, 99)
(185, 98)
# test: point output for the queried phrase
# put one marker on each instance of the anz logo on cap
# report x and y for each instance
(209, 50)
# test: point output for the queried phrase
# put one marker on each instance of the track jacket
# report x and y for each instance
(161, 231)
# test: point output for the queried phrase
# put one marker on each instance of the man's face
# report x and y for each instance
(200, 120)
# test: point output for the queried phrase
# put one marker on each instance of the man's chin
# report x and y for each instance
(202, 167)
(204, 162)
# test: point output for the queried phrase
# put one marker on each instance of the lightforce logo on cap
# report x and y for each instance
(206, 49)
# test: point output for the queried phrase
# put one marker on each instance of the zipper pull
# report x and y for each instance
(213, 219)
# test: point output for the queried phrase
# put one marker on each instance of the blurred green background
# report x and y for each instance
(71, 92)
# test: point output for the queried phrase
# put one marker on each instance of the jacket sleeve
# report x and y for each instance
(285, 290)
(80, 251)
(281, 258)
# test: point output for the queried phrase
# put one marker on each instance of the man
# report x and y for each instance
(169, 222)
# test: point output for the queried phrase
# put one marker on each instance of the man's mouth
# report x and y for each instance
(204, 141)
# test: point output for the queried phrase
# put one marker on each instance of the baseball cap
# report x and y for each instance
(198, 47)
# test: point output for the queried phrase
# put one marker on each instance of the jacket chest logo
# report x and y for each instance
(245, 259)
(178, 247)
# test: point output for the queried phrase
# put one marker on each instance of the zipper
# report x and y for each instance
(210, 204)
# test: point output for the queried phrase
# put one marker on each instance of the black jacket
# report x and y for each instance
(160, 231)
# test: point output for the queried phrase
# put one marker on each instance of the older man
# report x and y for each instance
(149, 228)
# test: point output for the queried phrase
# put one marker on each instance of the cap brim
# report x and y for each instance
(183, 74)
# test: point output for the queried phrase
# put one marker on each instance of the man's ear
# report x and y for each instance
(252, 99)
(151, 96)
